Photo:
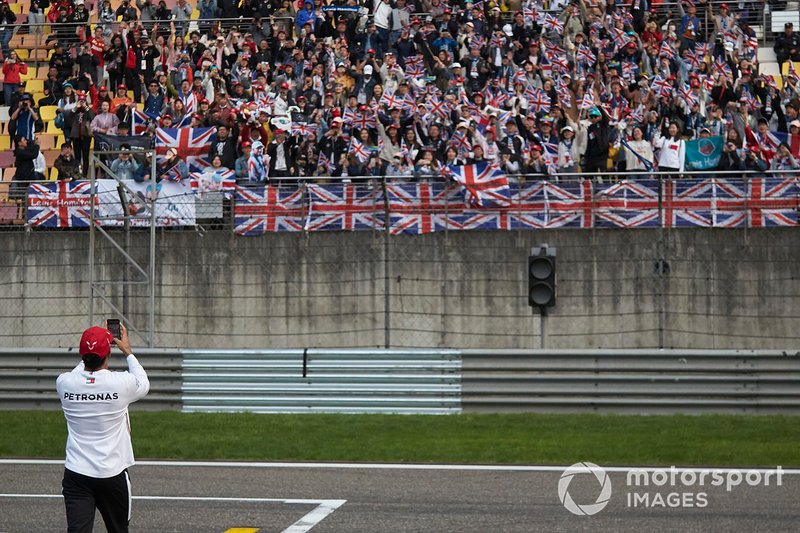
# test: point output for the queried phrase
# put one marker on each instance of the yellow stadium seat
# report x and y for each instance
(5, 142)
(37, 96)
(54, 173)
(52, 128)
(23, 54)
(60, 141)
(34, 86)
(16, 8)
(195, 14)
(47, 141)
(130, 95)
(48, 113)
(39, 54)
(30, 75)
(786, 67)
(41, 72)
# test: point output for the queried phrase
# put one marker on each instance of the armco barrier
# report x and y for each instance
(435, 381)
(28, 377)
(632, 381)
(342, 381)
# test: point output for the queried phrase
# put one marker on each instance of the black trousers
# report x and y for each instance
(83, 494)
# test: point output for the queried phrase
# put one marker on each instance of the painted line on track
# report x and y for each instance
(315, 516)
(412, 466)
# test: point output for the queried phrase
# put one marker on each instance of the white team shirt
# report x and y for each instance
(95, 405)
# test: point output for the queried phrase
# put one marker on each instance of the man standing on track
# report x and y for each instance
(99, 450)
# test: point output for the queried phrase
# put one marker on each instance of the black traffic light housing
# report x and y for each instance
(542, 278)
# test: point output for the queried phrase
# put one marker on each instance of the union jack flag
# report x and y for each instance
(685, 93)
(585, 55)
(460, 141)
(365, 120)
(424, 207)
(324, 163)
(265, 99)
(587, 102)
(667, 50)
(694, 59)
(261, 209)
(621, 39)
(710, 203)
(661, 86)
(189, 101)
(497, 41)
(544, 204)
(390, 100)
(703, 49)
(140, 121)
(751, 100)
(637, 115)
(414, 72)
(773, 202)
(358, 149)
(721, 66)
(497, 99)
(437, 107)
(552, 23)
(479, 181)
(344, 206)
(202, 182)
(752, 42)
(304, 130)
(192, 145)
(60, 204)
(529, 14)
(414, 61)
(538, 100)
(628, 204)
(476, 41)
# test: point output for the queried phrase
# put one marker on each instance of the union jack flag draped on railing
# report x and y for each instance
(192, 145)
(258, 210)
(60, 204)
(345, 207)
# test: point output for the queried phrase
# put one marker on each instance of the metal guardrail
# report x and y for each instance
(28, 377)
(435, 381)
(632, 381)
(315, 380)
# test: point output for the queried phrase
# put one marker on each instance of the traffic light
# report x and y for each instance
(542, 277)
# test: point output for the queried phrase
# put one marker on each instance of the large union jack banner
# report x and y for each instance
(192, 145)
(423, 207)
(627, 204)
(262, 209)
(60, 204)
(709, 203)
(345, 206)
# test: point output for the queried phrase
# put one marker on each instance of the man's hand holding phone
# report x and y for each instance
(120, 333)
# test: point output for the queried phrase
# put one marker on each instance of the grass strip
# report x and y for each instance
(714, 440)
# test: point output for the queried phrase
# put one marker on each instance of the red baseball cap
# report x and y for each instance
(97, 341)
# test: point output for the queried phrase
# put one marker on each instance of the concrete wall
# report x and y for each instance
(724, 289)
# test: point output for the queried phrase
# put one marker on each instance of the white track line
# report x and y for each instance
(409, 466)
(323, 507)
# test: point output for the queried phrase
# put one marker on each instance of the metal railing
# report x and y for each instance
(435, 381)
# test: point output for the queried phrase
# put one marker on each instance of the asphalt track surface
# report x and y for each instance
(274, 497)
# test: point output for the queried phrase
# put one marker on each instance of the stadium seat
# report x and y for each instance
(9, 173)
(23, 54)
(34, 86)
(41, 72)
(53, 173)
(5, 142)
(5, 116)
(16, 8)
(40, 54)
(52, 128)
(6, 158)
(766, 54)
(787, 66)
(772, 69)
(46, 141)
(60, 140)
(49, 156)
(37, 96)
(48, 114)
(17, 41)
(30, 75)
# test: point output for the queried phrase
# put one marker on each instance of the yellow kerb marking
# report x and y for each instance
(242, 530)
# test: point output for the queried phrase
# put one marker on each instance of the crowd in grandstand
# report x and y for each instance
(408, 87)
